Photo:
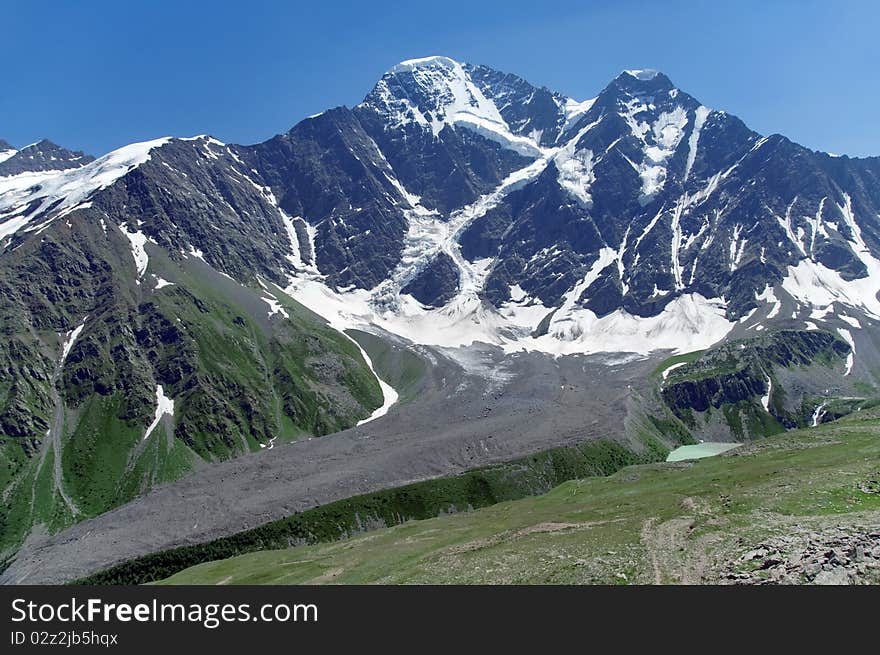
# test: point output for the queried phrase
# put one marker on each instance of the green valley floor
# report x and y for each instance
(801, 507)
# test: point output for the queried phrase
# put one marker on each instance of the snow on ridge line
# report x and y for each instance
(495, 132)
(202, 137)
(574, 110)
(69, 188)
(409, 65)
(454, 93)
(450, 98)
(478, 112)
(643, 74)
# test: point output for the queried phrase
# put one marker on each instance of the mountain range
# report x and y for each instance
(183, 301)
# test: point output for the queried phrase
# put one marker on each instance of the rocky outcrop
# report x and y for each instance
(437, 284)
(743, 370)
(833, 556)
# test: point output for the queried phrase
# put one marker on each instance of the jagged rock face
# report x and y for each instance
(41, 156)
(689, 199)
(436, 284)
(6, 150)
(665, 196)
(527, 110)
(627, 202)
(642, 192)
(329, 172)
(198, 196)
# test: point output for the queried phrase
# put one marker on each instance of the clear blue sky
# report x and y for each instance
(96, 75)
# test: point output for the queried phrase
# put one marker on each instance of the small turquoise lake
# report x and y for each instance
(700, 450)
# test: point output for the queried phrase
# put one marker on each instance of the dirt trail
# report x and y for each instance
(510, 536)
(675, 557)
(650, 548)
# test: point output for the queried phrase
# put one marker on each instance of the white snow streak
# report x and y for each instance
(275, 307)
(164, 405)
(138, 240)
(693, 141)
(162, 283)
(6, 154)
(852, 345)
(765, 399)
(71, 338)
(669, 370)
(818, 414)
(389, 395)
(769, 296)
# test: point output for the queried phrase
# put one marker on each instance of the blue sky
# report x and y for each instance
(97, 75)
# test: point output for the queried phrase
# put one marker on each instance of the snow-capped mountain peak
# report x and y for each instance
(460, 191)
(643, 74)
(40, 156)
(424, 62)
(433, 92)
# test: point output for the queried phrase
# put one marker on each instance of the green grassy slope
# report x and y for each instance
(658, 523)
(398, 366)
(242, 377)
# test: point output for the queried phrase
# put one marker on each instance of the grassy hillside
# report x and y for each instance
(799, 507)
(246, 367)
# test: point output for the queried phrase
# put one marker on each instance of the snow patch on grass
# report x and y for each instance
(164, 405)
